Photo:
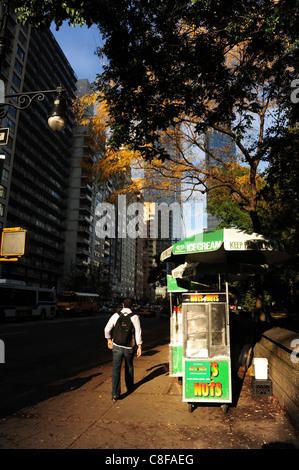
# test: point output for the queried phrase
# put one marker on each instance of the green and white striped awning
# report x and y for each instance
(227, 251)
(214, 246)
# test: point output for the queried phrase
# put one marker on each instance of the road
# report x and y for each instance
(41, 353)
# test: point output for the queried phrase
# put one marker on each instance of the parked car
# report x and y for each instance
(147, 311)
(104, 309)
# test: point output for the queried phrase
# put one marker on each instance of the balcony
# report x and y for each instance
(85, 208)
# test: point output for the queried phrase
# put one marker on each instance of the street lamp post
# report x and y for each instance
(57, 118)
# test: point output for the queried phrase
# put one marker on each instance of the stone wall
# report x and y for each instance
(281, 348)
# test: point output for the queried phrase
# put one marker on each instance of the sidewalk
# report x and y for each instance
(152, 417)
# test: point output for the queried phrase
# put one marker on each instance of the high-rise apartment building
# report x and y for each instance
(35, 177)
(222, 147)
(44, 188)
(85, 251)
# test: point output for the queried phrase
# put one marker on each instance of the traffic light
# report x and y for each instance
(13, 243)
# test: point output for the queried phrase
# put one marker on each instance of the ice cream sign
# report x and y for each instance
(197, 247)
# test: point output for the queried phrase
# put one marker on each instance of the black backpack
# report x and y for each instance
(123, 330)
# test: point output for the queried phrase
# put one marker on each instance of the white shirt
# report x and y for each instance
(136, 339)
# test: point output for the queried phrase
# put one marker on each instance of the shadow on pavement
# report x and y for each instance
(41, 393)
(159, 369)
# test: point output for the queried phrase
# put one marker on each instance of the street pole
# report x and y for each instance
(3, 38)
(3, 44)
(2, 158)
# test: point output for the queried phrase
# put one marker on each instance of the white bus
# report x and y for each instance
(17, 300)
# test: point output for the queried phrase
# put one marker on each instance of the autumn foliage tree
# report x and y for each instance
(179, 69)
(189, 160)
(196, 65)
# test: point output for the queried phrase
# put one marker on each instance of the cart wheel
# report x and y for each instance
(191, 407)
(224, 408)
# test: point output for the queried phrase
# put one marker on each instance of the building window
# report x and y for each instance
(11, 25)
(20, 53)
(2, 191)
(18, 66)
(11, 125)
(9, 143)
(7, 157)
(12, 111)
(22, 38)
(16, 80)
(4, 175)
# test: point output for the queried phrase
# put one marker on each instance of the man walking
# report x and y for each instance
(123, 333)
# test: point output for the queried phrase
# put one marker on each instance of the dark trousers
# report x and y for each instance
(118, 354)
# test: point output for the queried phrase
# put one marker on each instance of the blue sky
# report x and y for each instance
(78, 44)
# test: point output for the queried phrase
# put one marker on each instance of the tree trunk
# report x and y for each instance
(259, 313)
(256, 223)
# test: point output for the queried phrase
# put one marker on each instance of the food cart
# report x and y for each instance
(200, 347)
(206, 349)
